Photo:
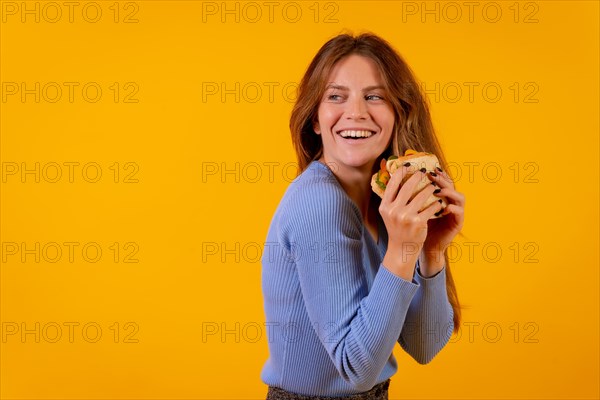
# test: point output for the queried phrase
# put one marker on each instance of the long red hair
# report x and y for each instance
(413, 128)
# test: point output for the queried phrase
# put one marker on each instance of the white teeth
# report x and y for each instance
(364, 134)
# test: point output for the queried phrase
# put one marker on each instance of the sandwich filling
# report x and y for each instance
(383, 175)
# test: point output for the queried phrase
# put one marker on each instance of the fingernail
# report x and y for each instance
(437, 191)
(439, 169)
(423, 170)
(440, 200)
(433, 183)
(438, 213)
(406, 164)
(432, 174)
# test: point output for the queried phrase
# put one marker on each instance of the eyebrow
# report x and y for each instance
(345, 88)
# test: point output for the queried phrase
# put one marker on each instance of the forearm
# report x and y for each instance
(428, 324)
(395, 264)
(431, 262)
(362, 348)
(401, 259)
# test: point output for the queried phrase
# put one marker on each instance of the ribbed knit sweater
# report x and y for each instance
(333, 311)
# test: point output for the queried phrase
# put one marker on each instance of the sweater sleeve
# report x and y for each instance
(358, 327)
(429, 320)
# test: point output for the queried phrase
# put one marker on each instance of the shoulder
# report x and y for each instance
(316, 196)
(316, 189)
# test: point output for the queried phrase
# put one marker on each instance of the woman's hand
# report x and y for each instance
(407, 227)
(441, 231)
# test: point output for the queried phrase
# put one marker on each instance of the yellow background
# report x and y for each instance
(531, 323)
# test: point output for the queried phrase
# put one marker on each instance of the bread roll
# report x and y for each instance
(417, 160)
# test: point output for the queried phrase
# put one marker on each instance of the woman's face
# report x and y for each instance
(355, 120)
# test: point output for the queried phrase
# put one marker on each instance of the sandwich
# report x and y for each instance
(417, 161)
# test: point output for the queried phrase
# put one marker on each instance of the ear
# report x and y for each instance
(316, 128)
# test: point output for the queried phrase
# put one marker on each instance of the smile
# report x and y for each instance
(352, 134)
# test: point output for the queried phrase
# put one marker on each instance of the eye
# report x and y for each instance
(334, 97)
(374, 97)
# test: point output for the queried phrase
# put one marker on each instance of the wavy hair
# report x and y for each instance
(413, 128)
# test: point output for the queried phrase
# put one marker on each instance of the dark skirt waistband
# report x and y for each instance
(378, 392)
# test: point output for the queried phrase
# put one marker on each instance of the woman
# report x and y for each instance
(347, 275)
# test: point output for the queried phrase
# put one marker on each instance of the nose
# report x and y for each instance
(357, 108)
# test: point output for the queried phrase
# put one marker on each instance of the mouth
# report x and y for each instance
(356, 134)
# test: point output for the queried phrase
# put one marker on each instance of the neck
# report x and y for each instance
(356, 182)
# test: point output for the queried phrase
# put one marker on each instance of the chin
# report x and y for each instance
(358, 161)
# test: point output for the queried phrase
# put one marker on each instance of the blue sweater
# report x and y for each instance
(333, 311)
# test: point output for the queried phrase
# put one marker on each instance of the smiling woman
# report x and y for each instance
(351, 273)
(353, 107)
